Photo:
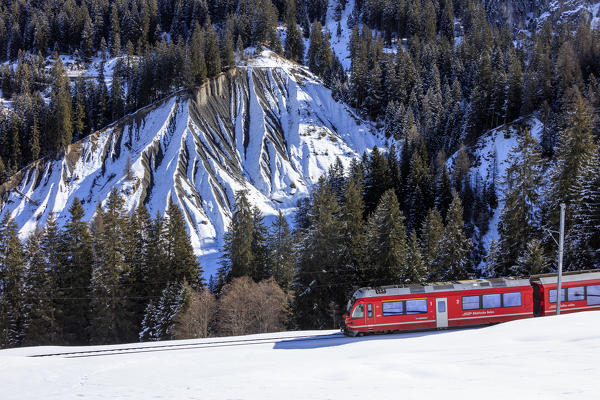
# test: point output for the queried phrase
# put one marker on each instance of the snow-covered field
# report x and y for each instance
(541, 358)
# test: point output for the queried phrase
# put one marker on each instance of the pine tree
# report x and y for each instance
(76, 276)
(181, 262)
(376, 180)
(353, 258)
(259, 265)
(115, 33)
(520, 219)
(294, 45)
(53, 249)
(585, 233)
(319, 57)
(414, 270)
(531, 261)
(453, 259)
(318, 261)
(576, 145)
(60, 106)
(227, 57)
(433, 230)
(212, 56)
(38, 292)
(386, 240)
(12, 265)
(117, 105)
(109, 313)
(237, 248)
(34, 141)
(281, 252)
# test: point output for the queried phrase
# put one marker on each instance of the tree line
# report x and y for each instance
(121, 278)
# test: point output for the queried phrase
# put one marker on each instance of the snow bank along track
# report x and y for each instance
(189, 346)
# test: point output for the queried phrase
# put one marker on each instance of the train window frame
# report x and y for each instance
(462, 301)
(370, 310)
(572, 289)
(355, 315)
(596, 295)
(563, 295)
(506, 295)
(416, 301)
(487, 297)
(386, 312)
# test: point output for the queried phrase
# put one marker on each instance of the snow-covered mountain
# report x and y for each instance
(269, 127)
(532, 14)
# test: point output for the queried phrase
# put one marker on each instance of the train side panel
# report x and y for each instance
(490, 306)
(577, 295)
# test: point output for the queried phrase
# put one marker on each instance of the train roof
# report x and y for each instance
(472, 284)
(572, 276)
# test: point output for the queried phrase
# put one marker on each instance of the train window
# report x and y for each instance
(359, 311)
(370, 310)
(552, 295)
(512, 299)
(391, 308)
(593, 295)
(576, 293)
(470, 302)
(491, 300)
(416, 306)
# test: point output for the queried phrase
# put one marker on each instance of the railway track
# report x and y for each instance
(189, 346)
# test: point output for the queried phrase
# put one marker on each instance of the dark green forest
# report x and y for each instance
(397, 216)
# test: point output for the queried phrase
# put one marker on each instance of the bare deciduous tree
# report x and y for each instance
(247, 307)
(197, 316)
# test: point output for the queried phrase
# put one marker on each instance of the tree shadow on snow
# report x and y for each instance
(340, 340)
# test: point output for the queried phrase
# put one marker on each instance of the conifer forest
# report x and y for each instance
(434, 79)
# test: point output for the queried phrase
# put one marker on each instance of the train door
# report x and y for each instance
(370, 314)
(441, 312)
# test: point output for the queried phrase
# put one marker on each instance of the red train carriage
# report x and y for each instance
(462, 303)
(580, 292)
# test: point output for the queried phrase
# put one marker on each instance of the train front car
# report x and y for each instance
(438, 306)
(580, 292)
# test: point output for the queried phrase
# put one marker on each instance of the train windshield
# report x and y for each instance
(350, 304)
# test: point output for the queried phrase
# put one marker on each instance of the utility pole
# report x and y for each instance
(561, 241)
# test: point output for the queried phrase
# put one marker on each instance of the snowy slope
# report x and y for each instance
(541, 358)
(269, 127)
(500, 143)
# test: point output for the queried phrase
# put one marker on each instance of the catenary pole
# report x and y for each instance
(561, 241)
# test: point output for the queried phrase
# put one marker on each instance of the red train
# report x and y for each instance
(468, 303)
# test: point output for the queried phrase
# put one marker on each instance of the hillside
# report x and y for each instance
(269, 127)
(520, 359)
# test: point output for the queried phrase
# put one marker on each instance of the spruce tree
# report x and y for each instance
(520, 218)
(181, 262)
(61, 133)
(453, 258)
(576, 145)
(353, 258)
(238, 256)
(76, 276)
(12, 265)
(433, 230)
(212, 55)
(54, 251)
(414, 269)
(281, 252)
(386, 241)
(108, 309)
(294, 45)
(585, 233)
(318, 261)
(115, 33)
(38, 292)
